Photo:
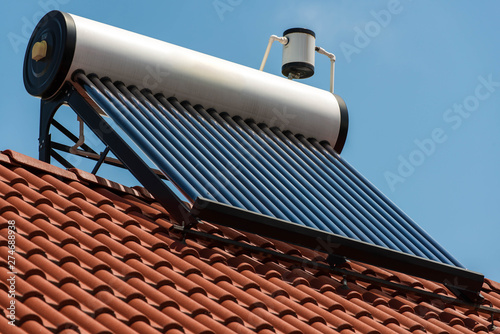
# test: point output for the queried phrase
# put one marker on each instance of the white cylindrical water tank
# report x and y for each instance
(298, 53)
(63, 43)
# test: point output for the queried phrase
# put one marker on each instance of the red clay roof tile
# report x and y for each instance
(118, 216)
(83, 320)
(115, 325)
(9, 177)
(55, 319)
(176, 263)
(151, 294)
(85, 256)
(99, 257)
(60, 218)
(146, 209)
(33, 197)
(241, 329)
(4, 158)
(207, 270)
(56, 253)
(213, 291)
(184, 303)
(5, 302)
(249, 318)
(34, 181)
(6, 327)
(276, 322)
(492, 284)
(29, 229)
(7, 191)
(31, 326)
(87, 300)
(222, 313)
(63, 188)
(156, 316)
(7, 207)
(25, 210)
(272, 304)
(119, 201)
(338, 323)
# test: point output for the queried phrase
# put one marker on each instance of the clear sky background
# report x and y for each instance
(421, 80)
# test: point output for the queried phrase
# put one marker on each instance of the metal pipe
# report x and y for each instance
(330, 55)
(282, 40)
(81, 138)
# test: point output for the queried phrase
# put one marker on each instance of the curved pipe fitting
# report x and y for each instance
(81, 139)
(282, 40)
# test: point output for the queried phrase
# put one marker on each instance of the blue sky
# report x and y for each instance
(421, 80)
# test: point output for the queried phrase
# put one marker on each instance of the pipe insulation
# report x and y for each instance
(63, 43)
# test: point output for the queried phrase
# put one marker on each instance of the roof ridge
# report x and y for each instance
(75, 174)
(101, 181)
(24, 160)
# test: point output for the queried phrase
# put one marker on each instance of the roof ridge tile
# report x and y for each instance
(144, 192)
(103, 182)
(25, 160)
(4, 158)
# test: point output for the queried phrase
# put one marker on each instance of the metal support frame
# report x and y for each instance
(49, 148)
(76, 98)
(463, 283)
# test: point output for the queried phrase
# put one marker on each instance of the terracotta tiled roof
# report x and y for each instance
(92, 256)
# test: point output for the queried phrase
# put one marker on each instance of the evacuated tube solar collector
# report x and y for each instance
(63, 43)
(296, 180)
